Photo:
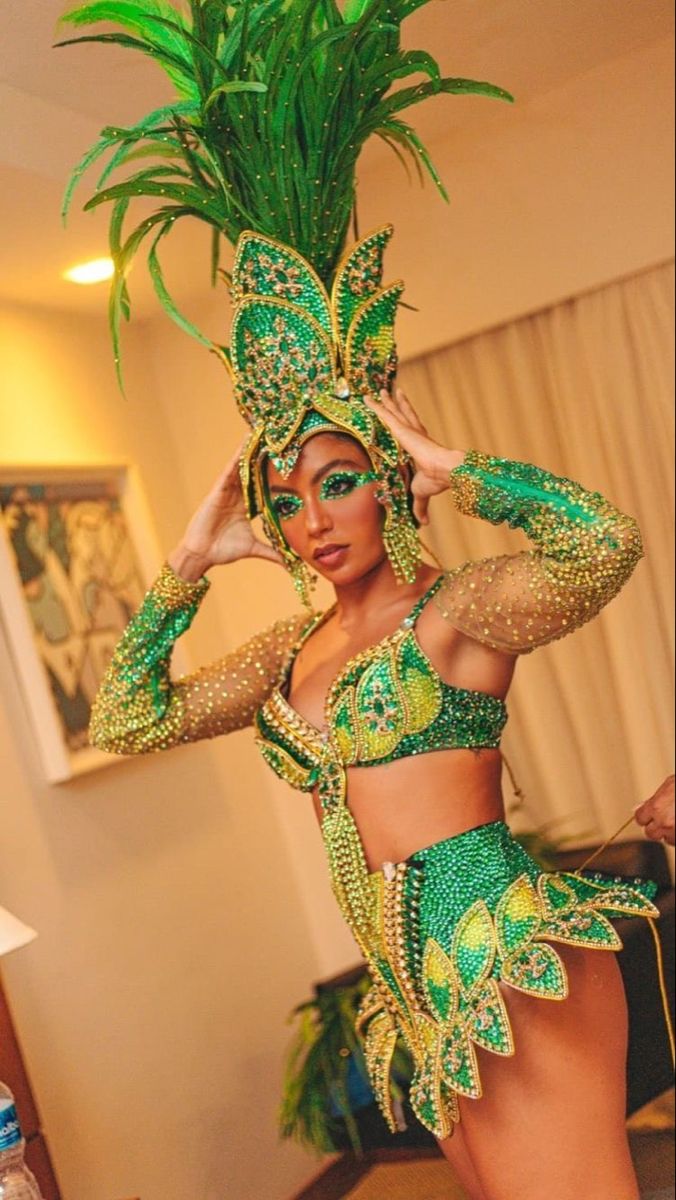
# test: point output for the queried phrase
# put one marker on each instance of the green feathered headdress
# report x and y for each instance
(275, 100)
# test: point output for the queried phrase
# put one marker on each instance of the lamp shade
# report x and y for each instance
(13, 932)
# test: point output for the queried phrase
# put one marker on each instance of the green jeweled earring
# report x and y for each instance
(302, 578)
(400, 535)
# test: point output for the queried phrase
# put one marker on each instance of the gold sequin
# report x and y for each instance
(139, 708)
(586, 549)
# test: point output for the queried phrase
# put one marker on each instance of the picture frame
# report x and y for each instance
(77, 553)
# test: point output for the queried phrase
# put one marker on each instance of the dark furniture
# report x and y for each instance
(13, 1073)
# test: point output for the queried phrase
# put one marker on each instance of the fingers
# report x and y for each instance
(388, 411)
(421, 506)
(421, 503)
(407, 410)
(230, 472)
(262, 550)
(659, 833)
(408, 436)
(656, 817)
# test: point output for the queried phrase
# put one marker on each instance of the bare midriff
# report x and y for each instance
(401, 807)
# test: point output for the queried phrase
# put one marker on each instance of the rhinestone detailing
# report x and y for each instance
(483, 913)
(305, 360)
(139, 707)
(386, 703)
(585, 551)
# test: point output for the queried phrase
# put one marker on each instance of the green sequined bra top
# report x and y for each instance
(388, 702)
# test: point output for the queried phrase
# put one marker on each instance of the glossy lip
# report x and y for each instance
(326, 552)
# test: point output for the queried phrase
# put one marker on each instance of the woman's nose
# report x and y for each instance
(317, 517)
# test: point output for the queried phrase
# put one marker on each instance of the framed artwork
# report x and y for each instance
(76, 554)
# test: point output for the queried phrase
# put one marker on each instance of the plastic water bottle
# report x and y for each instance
(16, 1181)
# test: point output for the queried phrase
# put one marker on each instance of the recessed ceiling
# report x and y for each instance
(55, 101)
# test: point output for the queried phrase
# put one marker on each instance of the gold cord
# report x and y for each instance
(605, 845)
(431, 554)
(663, 989)
(658, 946)
(518, 791)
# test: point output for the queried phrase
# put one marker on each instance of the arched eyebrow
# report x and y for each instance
(329, 466)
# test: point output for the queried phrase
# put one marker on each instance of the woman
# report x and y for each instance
(393, 700)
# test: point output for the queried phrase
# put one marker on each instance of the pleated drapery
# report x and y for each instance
(584, 389)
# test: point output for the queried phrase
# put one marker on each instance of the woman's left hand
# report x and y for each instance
(433, 463)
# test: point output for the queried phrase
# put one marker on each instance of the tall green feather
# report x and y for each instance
(275, 100)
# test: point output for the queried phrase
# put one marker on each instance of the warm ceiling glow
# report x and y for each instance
(90, 272)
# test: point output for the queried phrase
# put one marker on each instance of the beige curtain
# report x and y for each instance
(583, 389)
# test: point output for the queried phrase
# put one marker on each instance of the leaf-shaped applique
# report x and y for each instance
(343, 724)
(626, 901)
(380, 714)
(349, 872)
(439, 982)
(358, 276)
(355, 418)
(450, 1106)
(250, 478)
(538, 971)
(379, 1046)
(282, 360)
(426, 1086)
(370, 1005)
(286, 767)
(517, 916)
(370, 354)
(264, 267)
(420, 685)
(458, 1062)
(582, 927)
(616, 895)
(556, 895)
(386, 971)
(473, 947)
(487, 1020)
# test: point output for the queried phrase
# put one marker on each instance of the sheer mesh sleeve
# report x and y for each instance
(585, 550)
(139, 707)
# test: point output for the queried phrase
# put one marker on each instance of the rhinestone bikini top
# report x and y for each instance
(386, 703)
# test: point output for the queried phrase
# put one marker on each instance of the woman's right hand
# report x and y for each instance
(219, 531)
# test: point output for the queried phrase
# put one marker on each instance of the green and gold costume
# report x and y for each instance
(439, 931)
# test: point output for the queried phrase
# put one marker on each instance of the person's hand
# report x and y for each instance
(432, 462)
(219, 531)
(656, 815)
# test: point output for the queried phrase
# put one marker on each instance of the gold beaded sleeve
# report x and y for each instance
(139, 708)
(585, 550)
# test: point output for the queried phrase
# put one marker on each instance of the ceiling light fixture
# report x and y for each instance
(94, 271)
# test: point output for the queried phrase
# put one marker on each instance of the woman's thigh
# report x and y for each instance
(551, 1120)
(455, 1151)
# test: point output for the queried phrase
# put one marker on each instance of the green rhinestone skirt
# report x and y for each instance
(449, 925)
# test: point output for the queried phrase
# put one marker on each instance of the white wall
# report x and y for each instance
(173, 940)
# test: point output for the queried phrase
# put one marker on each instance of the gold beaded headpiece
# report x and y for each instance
(303, 361)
